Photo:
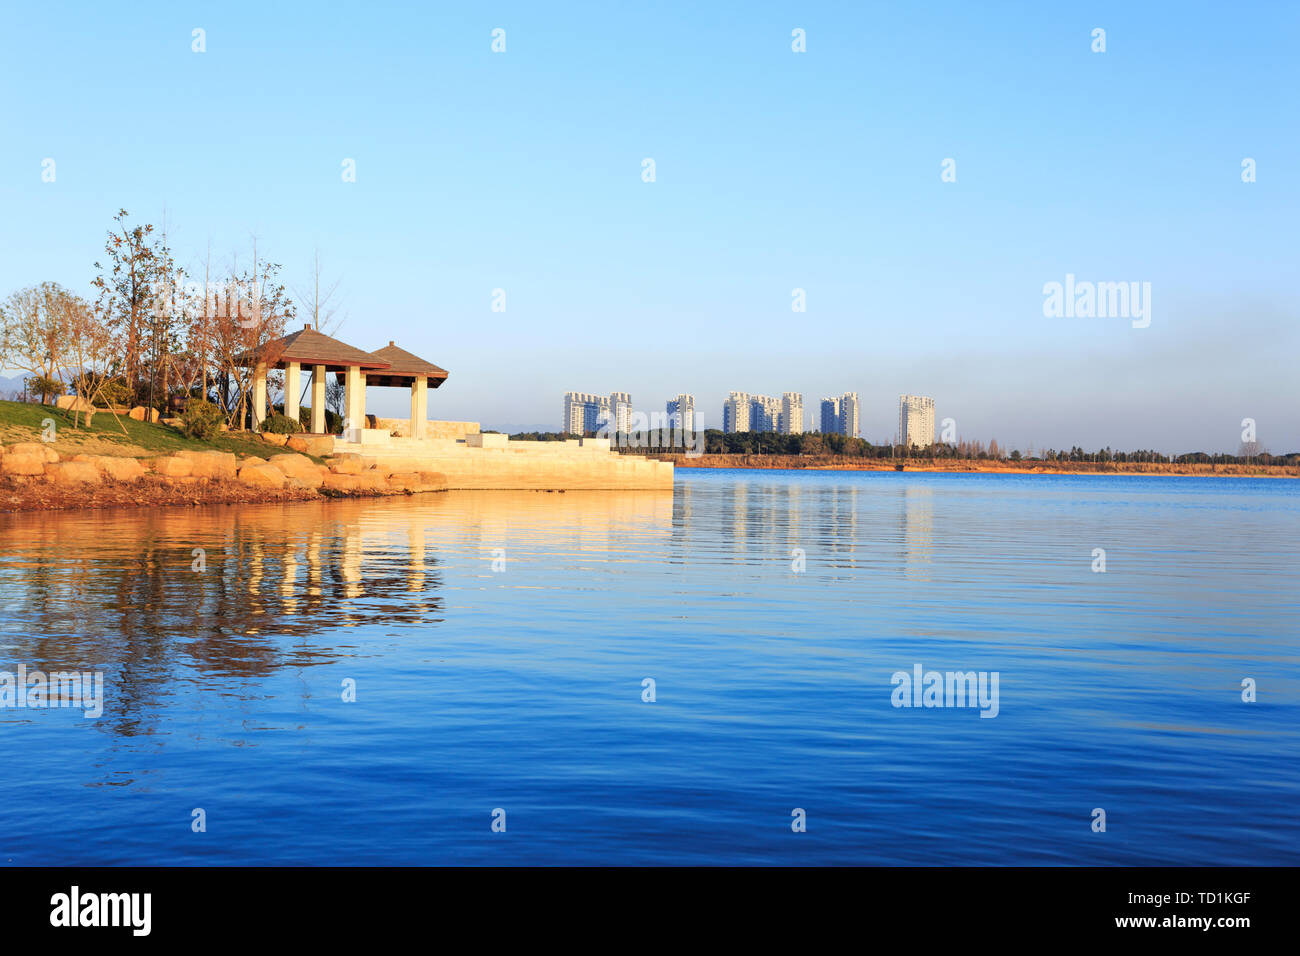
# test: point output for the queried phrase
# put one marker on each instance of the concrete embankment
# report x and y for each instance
(493, 462)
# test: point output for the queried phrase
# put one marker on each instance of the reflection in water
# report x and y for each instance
(764, 519)
(155, 599)
(478, 689)
(918, 530)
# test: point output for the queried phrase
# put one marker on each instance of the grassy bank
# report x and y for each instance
(21, 422)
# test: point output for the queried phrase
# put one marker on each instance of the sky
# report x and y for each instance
(774, 170)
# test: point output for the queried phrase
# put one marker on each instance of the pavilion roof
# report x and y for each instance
(403, 367)
(309, 347)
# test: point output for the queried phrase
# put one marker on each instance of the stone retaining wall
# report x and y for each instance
(482, 462)
(28, 461)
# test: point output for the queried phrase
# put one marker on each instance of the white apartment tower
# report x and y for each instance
(681, 413)
(584, 412)
(791, 421)
(764, 413)
(842, 416)
(830, 416)
(735, 412)
(915, 421)
(850, 415)
(620, 412)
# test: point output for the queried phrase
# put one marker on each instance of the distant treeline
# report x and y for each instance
(717, 442)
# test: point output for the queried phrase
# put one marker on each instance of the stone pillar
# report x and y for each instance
(419, 406)
(292, 389)
(318, 399)
(355, 385)
(259, 397)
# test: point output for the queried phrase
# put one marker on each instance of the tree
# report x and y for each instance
(319, 304)
(32, 334)
(256, 313)
(92, 350)
(126, 288)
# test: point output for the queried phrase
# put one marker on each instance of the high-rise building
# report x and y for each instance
(915, 421)
(620, 412)
(850, 415)
(681, 413)
(841, 416)
(764, 413)
(584, 412)
(735, 412)
(791, 421)
(830, 416)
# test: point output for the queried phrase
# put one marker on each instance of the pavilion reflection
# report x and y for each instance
(232, 594)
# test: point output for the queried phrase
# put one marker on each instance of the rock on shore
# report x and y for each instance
(35, 476)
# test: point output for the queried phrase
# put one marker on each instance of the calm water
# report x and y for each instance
(521, 689)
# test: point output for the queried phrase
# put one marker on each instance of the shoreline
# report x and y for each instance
(155, 492)
(965, 467)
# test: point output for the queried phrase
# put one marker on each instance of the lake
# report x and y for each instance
(666, 678)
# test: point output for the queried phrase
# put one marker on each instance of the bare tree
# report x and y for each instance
(320, 305)
(32, 333)
(247, 334)
(92, 351)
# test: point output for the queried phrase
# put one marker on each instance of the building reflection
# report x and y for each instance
(917, 515)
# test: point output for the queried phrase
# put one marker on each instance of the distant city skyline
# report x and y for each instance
(522, 249)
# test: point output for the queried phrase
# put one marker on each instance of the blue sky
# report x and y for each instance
(774, 170)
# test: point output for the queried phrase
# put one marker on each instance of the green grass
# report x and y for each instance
(20, 422)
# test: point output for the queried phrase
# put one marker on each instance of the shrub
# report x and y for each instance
(44, 387)
(333, 422)
(201, 419)
(113, 393)
(278, 424)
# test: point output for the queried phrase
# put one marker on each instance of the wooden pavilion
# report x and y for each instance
(308, 348)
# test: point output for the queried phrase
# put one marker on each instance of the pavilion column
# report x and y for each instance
(292, 389)
(355, 386)
(419, 406)
(259, 396)
(318, 399)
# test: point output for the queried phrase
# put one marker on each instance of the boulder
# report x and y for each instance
(119, 469)
(142, 414)
(173, 466)
(74, 403)
(211, 464)
(318, 445)
(335, 482)
(261, 475)
(372, 481)
(72, 473)
(38, 448)
(299, 467)
(272, 439)
(346, 466)
(15, 463)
